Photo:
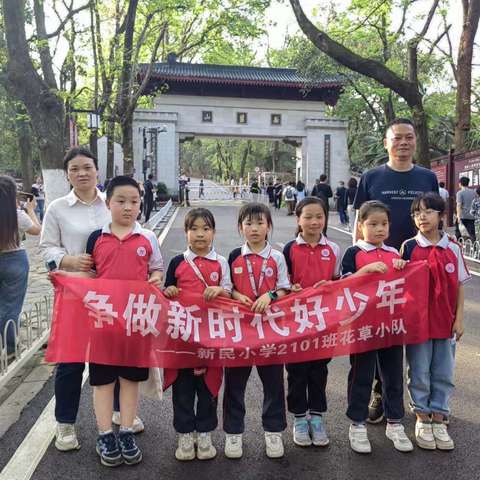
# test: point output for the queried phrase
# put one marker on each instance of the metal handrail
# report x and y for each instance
(159, 216)
(470, 250)
(29, 338)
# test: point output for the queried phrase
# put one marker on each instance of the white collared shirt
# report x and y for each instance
(368, 247)
(445, 242)
(335, 248)
(225, 281)
(283, 281)
(68, 223)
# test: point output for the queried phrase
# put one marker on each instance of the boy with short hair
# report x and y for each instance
(121, 250)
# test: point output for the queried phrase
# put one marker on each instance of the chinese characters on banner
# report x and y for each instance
(133, 324)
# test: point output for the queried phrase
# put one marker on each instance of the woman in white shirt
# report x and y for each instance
(14, 266)
(67, 224)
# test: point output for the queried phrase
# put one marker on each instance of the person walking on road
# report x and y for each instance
(278, 194)
(148, 197)
(465, 197)
(396, 184)
(341, 199)
(351, 192)
(290, 196)
(443, 192)
(323, 191)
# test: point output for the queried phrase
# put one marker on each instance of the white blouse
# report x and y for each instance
(68, 223)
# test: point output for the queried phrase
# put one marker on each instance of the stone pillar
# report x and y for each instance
(326, 151)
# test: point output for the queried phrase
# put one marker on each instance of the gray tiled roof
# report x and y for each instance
(197, 72)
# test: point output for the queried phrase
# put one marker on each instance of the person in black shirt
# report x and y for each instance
(341, 198)
(323, 191)
(148, 197)
(396, 184)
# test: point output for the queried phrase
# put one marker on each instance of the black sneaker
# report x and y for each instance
(375, 409)
(108, 451)
(130, 452)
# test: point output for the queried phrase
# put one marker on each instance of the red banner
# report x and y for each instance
(131, 323)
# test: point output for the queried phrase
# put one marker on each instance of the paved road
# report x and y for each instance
(335, 462)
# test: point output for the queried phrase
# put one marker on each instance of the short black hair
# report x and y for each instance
(352, 183)
(371, 206)
(464, 181)
(203, 213)
(150, 176)
(441, 184)
(78, 152)
(323, 177)
(398, 121)
(478, 191)
(121, 181)
(254, 210)
(430, 200)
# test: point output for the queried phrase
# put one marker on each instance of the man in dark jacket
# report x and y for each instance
(323, 190)
(148, 197)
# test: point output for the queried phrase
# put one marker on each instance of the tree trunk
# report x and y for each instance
(471, 14)
(43, 105)
(408, 89)
(421, 129)
(246, 153)
(24, 139)
(110, 149)
(127, 146)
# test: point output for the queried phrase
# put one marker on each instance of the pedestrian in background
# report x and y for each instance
(39, 194)
(14, 267)
(301, 193)
(323, 191)
(148, 197)
(351, 192)
(443, 191)
(290, 196)
(465, 220)
(341, 199)
(278, 194)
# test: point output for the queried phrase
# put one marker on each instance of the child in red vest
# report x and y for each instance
(431, 364)
(259, 277)
(371, 255)
(312, 259)
(198, 270)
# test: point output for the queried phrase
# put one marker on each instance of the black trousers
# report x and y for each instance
(469, 225)
(360, 379)
(307, 382)
(273, 413)
(68, 388)
(186, 418)
(148, 207)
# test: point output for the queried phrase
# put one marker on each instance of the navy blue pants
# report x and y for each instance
(273, 414)
(185, 390)
(307, 382)
(360, 379)
(68, 388)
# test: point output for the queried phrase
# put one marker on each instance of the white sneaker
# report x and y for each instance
(233, 445)
(443, 440)
(186, 447)
(65, 437)
(137, 427)
(396, 433)
(205, 449)
(359, 442)
(424, 435)
(274, 444)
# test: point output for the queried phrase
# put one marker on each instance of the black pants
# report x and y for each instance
(360, 379)
(148, 208)
(469, 225)
(307, 382)
(68, 387)
(186, 389)
(326, 217)
(273, 413)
